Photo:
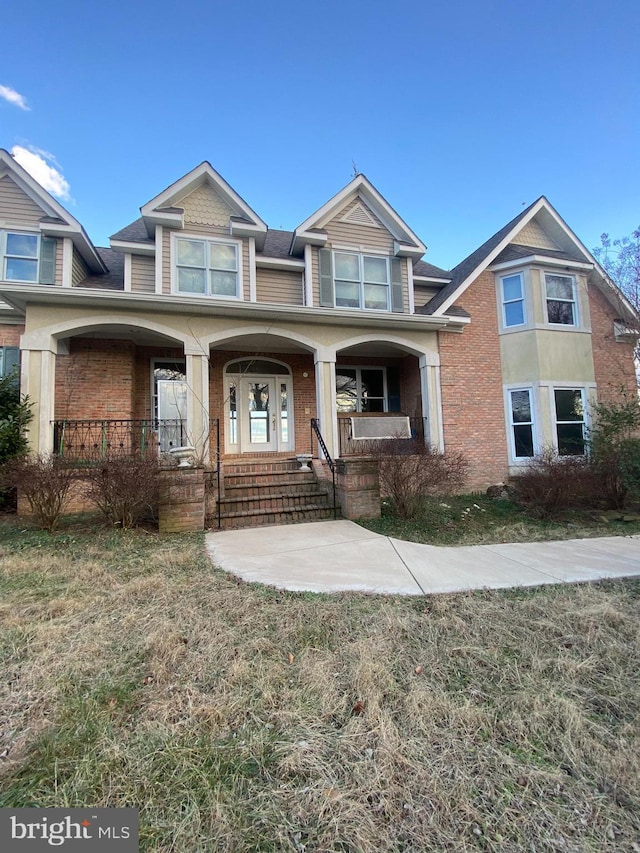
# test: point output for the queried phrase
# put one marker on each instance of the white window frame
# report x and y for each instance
(514, 459)
(504, 302)
(361, 281)
(359, 368)
(585, 421)
(4, 233)
(207, 240)
(573, 301)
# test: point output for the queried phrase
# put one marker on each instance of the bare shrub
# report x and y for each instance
(551, 483)
(125, 489)
(45, 481)
(411, 470)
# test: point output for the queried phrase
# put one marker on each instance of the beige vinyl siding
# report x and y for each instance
(279, 286)
(59, 278)
(143, 274)
(79, 270)
(422, 294)
(16, 206)
(360, 237)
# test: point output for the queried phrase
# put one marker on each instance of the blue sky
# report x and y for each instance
(460, 113)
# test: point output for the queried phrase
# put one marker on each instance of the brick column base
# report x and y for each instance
(181, 504)
(358, 487)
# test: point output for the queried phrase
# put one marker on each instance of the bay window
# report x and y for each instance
(513, 313)
(561, 299)
(521, 423)
(570, 421)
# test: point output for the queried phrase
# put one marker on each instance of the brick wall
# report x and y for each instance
(471, 376)
(95, 380)
(10, 336)
(613, 360)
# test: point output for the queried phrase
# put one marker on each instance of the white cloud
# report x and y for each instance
(43, 167)
(14, 97)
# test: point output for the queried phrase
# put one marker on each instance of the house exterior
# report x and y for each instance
(199, 314)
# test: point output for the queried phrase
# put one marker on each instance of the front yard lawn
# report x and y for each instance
(480, 520)
(239, 718)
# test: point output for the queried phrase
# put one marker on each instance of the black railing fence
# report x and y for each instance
(90, 440)
(315, 430)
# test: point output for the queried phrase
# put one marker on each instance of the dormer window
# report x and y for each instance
(561, 299)
(359, 280)
(27, 257)
(207, 267)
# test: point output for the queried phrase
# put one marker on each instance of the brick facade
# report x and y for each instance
(10, 336)
(612, 360)
(471, 377)
(96, 380)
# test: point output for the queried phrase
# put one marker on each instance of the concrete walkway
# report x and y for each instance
(334, 556)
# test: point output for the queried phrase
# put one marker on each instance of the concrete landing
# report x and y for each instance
(337, 556)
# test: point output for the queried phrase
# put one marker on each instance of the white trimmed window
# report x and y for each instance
(561, 299)
(207, 267)
(363, 281)
(521, 423)
(570, 421)
(512, 291)
(27, 257)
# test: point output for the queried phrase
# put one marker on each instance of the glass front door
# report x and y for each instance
(259, 417)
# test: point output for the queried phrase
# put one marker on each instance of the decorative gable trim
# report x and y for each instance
(359, 215)
(360, 188)
(162, 209)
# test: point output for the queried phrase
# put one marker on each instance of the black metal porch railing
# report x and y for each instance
(91, 440)
(315, 428)
(349, 446)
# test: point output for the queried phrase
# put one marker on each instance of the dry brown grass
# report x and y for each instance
(238, 718)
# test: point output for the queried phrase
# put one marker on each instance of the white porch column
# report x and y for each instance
(38, 382)
(325, 365)
(198, 403)
(431, 399)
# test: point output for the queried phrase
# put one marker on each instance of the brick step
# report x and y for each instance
(268, 478)
(265, 517)
(280, 487)
(261, 466)
(273, 503)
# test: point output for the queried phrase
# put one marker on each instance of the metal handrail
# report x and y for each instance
(315, 428)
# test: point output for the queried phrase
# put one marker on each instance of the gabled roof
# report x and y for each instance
(499, 247)
(164, 208)
(56, 221)
(311, 230)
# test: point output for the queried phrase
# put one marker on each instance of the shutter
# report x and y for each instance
(326, 278)
(47, 260)
(11, 360)
(397, 301)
